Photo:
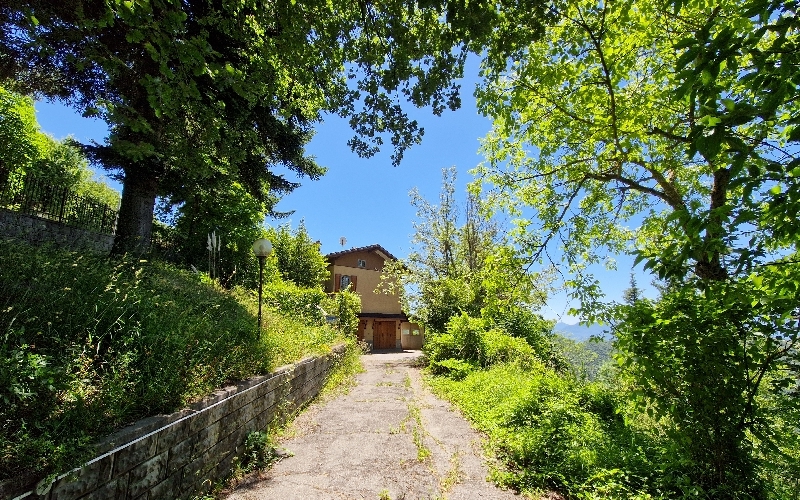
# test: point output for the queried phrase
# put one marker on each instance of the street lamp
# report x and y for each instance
(262, 248)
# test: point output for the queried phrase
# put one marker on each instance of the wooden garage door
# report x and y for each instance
(383, 335)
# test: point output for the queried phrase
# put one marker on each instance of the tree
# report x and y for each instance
(681, 119)
(19, 134)
(633, 293)
(230, 213)
(26, 150)
(199, 92)
(460, 265)
(298, 256)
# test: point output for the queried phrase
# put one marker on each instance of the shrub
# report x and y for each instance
(346, 305)
(456, 369)
(698, 359)
(297, 256)
(438, 347)
(467, 339)
(500, 347)
(552, 432)
(294, 301)
(525, 324)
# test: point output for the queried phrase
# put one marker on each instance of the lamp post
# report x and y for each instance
(262, 248)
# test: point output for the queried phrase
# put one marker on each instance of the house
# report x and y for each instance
(382, 322)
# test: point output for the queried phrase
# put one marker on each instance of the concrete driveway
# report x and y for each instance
(389, 437)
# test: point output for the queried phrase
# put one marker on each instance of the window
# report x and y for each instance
(362, 263)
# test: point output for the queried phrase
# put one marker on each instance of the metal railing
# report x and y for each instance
(35, 196)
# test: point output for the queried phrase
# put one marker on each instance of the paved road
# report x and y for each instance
(389, 437)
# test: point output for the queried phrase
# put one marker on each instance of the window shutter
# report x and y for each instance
(353, 280)
(337, 278)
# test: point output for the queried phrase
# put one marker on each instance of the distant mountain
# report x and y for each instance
(579, 332)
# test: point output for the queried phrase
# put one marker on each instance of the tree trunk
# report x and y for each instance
(135, 223)
(710, 266)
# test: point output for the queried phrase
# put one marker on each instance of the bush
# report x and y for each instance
(524, 324)
(552, 432)
(295, 302)
(456, 369)
(346, 305)
(697, 358)
(467, 339)
(297, 256)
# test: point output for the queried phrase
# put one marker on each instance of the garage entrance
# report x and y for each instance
(384, 334)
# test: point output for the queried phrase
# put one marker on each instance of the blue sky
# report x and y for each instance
(366, 201)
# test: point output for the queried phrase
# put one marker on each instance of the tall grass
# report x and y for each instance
(88, 345)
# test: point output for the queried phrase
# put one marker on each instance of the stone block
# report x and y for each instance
(116, 488)
(129, 457)
(172, 435)
(248, 396)
(194, 476)
(131, 433)
(199, 421)
(167, 489)
(221, 409)
(179, 455)
(231, 422)
(205, 439)
(146, 475)
(84, 480)
(267, 387)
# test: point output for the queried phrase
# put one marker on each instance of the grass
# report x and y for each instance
(88, 345)
(552, 433)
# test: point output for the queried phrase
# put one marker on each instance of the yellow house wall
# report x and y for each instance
(366, 282)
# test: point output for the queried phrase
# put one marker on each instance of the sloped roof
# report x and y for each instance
(371, 248)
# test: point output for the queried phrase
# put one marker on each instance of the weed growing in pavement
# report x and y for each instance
(453, 476)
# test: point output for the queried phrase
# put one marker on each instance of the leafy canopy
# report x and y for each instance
(668, 130)
(201, 93)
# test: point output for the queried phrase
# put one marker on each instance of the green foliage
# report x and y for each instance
(199, 94)
(461, 269)
(346, 306)
(700, 358)
(456, 369)
(312, 304)
(181, 234)
(28, 150)
(294, 301)
(19, 133)
(552, 432)
(587, 360)
(88, 345)
(298, 256)
(679, 120)
(469, 341)
(523, 323)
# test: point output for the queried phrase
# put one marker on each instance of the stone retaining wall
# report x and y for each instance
(178, 455)
(37, 231)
